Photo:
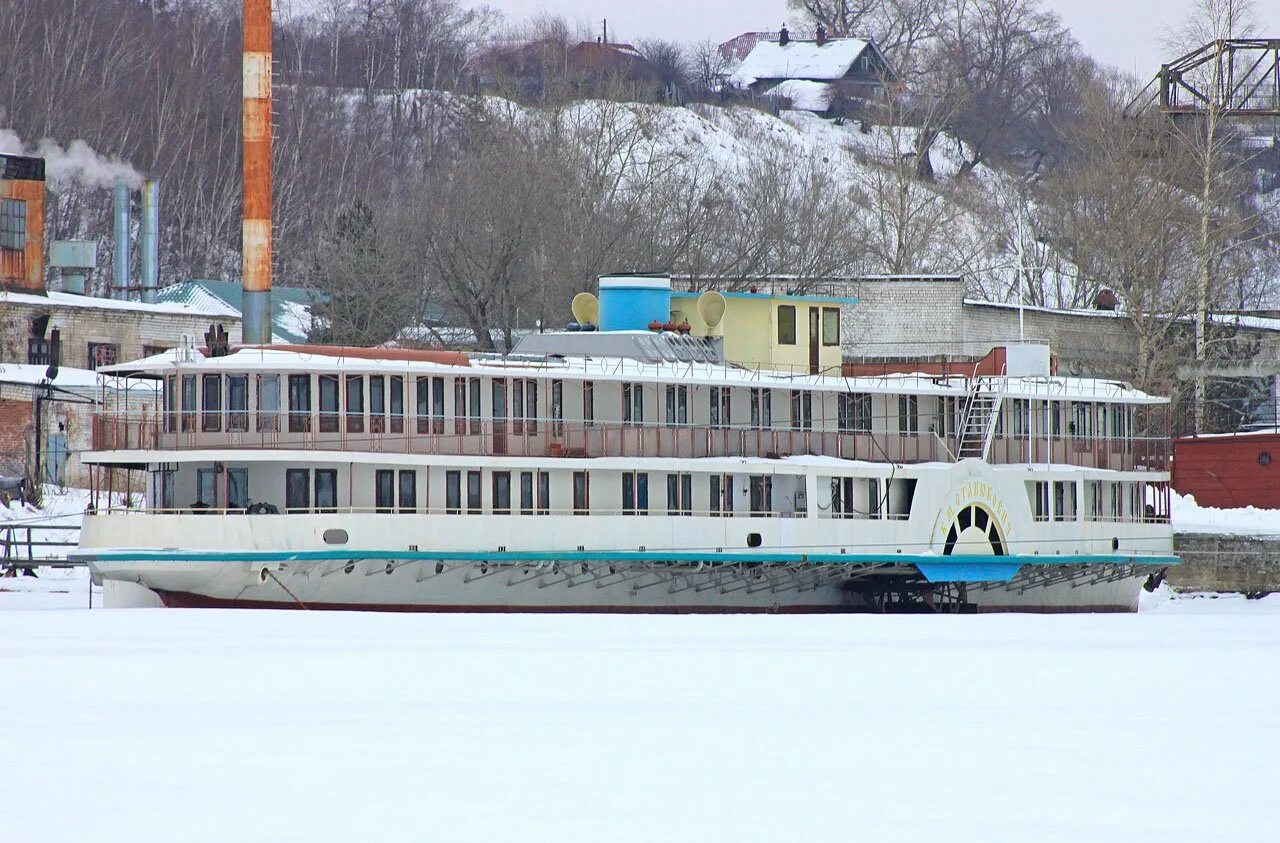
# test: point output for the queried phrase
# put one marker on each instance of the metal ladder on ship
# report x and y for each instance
(982, 410)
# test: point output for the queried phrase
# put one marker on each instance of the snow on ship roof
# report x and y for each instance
(799, 60)
(282, 359)
(28, 374)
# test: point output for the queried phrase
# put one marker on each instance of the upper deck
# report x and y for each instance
(429, 403)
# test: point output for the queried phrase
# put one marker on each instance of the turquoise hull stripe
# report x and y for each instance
(934, 568)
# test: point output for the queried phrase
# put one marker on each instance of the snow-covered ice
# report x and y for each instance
(141, 725)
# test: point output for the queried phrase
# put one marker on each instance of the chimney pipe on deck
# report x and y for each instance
(120, 256)
(255, 243)
(150, 244)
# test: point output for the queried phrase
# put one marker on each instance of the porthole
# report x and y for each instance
(754, 540)
(1264, 458)
(335, 536)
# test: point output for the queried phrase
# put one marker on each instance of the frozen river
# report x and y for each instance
(142, 725)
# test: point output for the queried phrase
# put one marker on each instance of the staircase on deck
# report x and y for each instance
(981, 414)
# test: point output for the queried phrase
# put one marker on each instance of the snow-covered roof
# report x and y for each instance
(27, 374)
(804, 94)
(799, 60)
(55, 298)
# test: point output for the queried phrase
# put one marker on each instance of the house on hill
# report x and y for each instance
(586, 65)
(815, 75)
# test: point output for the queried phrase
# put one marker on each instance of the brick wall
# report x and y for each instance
(895, 317)
(16, 422)
(132, 330)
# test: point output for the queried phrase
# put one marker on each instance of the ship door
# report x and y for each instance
(815, 320)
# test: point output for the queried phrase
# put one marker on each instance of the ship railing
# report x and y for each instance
(256, 508)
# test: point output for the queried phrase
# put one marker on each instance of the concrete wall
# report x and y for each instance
(1226, 563)
(132, 329)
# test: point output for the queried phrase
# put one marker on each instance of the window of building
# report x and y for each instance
(268, 403)
(632, 404)
(299, 403)
(396, 385)
(453, 492)
(326, 489)
(153, 350)
(384, 489)
(635, 493)
(355, 403)
(853, 412)
(13, 224)
(210, 403)
(761, 489)
(327, 385)
(238, 402)
(502, 493)
(680, 494)
(677, 404)
(908, 414)
(377, 404)
(786, 324)
(297, 490)
(830, 326)
(407, 491)
(103, 354)
(762, 408)
(721, 502)
(720, 415)
(474, 503)
(581, 493)
(802, 410)
(588, 403)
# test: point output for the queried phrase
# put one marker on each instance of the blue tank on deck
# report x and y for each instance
(631, 302)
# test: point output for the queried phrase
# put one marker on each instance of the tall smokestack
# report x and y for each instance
(150, 245)
(255, 243)
(120, 262)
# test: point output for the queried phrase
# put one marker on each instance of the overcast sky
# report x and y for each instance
(1125, 33)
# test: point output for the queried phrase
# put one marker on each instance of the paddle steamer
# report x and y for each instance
(672, 452)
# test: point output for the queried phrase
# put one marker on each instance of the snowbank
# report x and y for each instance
(1190, 517)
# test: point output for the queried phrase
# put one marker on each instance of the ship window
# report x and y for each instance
(1064, 500)
(268, 403)
(680, 494)
(544, 493)
(396, 383)
(170, 404)
(875, 503)
(722, 494)
(502, 493)
(801, 410)
(437, 405)
(328, 388)
(762, 408)
(588, 403)
(1082, 421)
(677, 404)
(853, 412)
(13, 224)
(207, 489)
(1020, 417)
(632, 404)
(237, 488)
(517, 405)
(431, 405)
(786, 324)
(499, 400)
(635, 493)
(908, 414)
(460, 406)
(720, 416)
(473, 492)
(299, 403)
(830, 326)
(408, 491)
(581, 493)
(384, 489)
(297, 490)
(475, 406)
(761, 489)
(355, 403)
(238, 402)
(453, 492)
(557, 408)
(211, 403)
(1039, 493)
(188, 402)
(326, 490)
(377, 404)
(526, 493)
(162, 489)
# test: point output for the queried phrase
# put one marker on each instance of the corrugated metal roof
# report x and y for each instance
(288, 304)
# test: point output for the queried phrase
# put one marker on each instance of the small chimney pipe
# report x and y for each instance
(121, 256)
(784, 37)
(255, 238)
(150, 245)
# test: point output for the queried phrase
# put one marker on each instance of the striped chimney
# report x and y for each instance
(255, 243)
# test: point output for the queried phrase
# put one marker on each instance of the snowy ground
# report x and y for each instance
(141, 725)
(1190, 517)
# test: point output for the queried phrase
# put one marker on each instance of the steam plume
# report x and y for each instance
(77, 164)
